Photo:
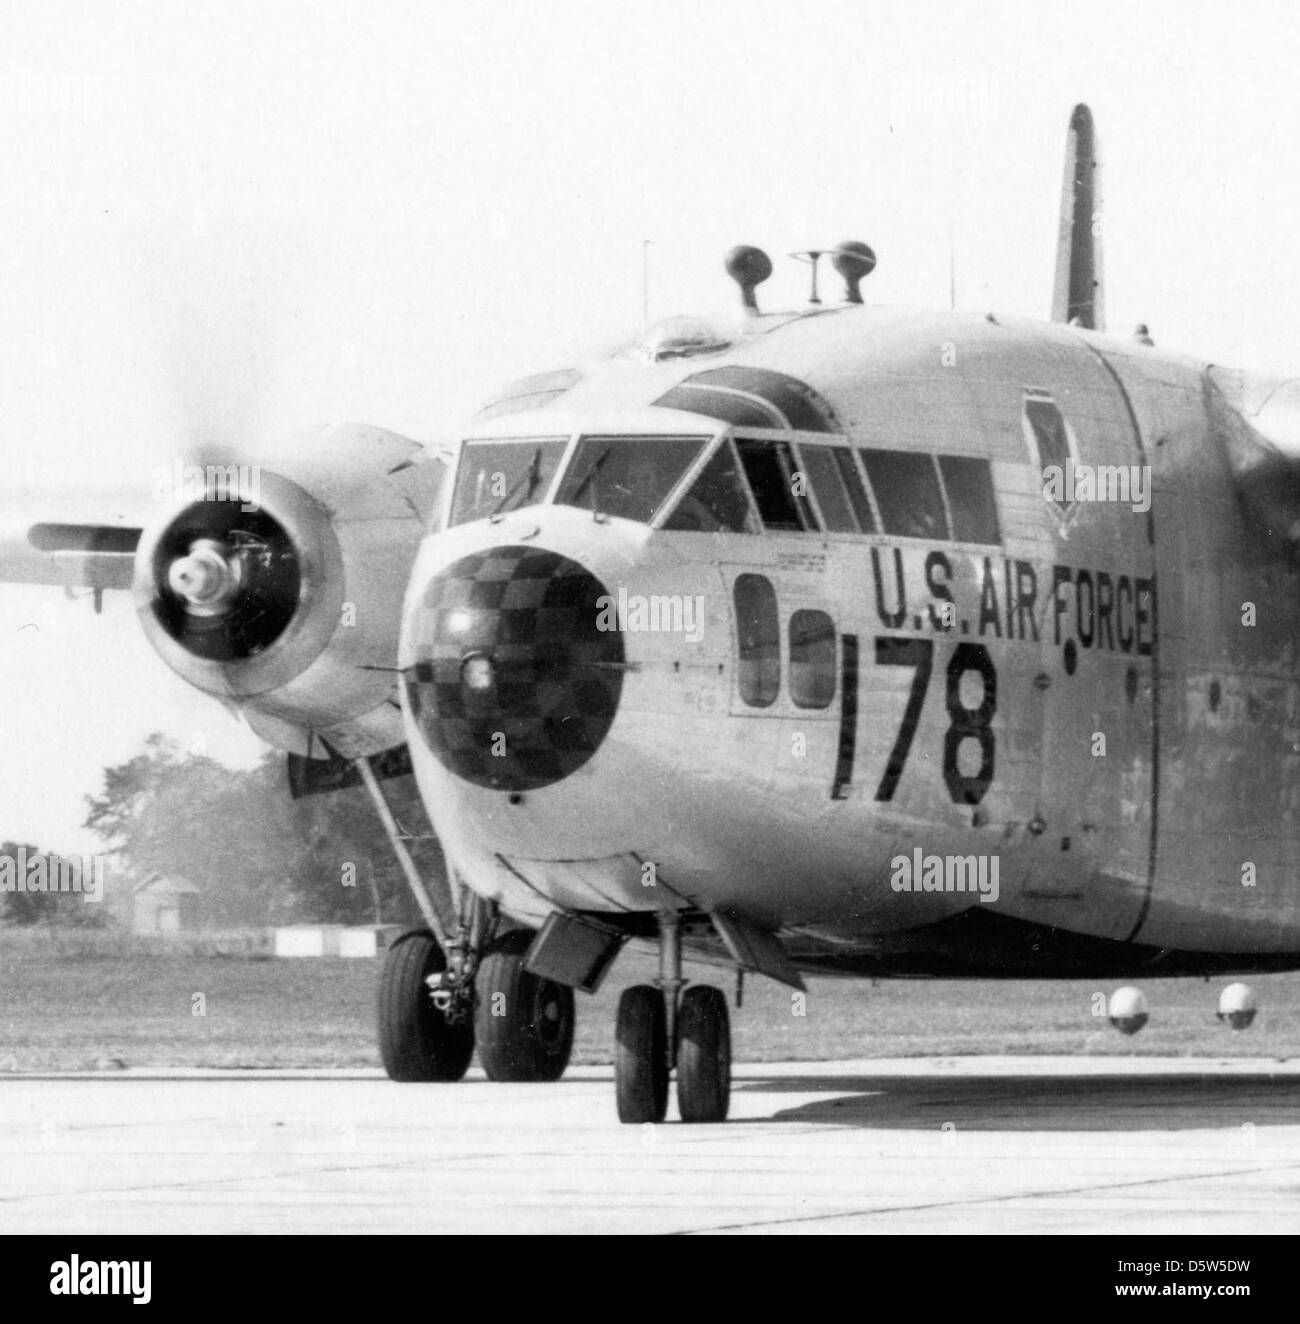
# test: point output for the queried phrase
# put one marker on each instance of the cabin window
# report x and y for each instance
(770, 470)
(716, 502)
(907, 493)
(629, 477)
(968, 483)
(812, 659)
(759, 633)
(496, 476)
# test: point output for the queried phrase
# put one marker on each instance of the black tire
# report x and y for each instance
(416, 1041)
(641, 1055)
(530, 1035)
(703, 1055)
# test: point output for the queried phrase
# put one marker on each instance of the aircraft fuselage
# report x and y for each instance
(1054, 653)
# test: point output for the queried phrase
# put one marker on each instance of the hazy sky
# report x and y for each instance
(294, 213)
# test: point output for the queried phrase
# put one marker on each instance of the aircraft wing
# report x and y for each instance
(274, 588)
(83, 541)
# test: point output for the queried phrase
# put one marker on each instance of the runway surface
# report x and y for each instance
(948, 1146)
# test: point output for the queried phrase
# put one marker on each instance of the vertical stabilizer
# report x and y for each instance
(1078, 296)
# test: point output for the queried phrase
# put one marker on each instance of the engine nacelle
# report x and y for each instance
(278, 590)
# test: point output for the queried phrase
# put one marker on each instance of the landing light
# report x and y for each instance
(476, 672)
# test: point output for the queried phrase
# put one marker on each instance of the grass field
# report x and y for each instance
(66, 1005)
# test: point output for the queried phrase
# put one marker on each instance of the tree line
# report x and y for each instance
(257, 856)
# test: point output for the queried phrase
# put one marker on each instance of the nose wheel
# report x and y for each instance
(662, 1027)
(418, 1039)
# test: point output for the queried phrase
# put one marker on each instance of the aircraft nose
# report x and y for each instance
(514, 684)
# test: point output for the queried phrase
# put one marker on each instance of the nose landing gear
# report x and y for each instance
(522, 1022)
(419, 1039)
(435, 1008)
(659, 1027)
(459, 984)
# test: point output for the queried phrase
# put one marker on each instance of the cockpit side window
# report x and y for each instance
(499, 475)
(827, 481)
(770, 469)
(854, 486)
(716, 502)
(629, 477)
(908, 493)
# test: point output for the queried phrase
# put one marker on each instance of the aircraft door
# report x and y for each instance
(1094, 810)
(786, 672)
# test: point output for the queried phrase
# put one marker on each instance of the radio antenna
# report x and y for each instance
(645, 282)
(952, 266)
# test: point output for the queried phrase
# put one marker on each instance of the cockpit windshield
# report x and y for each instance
(629, 477)
(497, 476)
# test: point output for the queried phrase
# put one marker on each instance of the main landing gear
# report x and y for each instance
(662, 1026)
(523, 1023)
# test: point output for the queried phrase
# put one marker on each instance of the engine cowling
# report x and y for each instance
(278, 588)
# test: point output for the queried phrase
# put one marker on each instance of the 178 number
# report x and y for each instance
(963, 723)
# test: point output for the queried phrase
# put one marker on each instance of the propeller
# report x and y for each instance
(226, 576)
(216, 303)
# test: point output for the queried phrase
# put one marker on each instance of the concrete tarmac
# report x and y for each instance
(950, 1146)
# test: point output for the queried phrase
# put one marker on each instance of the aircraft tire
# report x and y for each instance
(703, 1055)
(523, 1023)
(641, 1055)
(416, 1041)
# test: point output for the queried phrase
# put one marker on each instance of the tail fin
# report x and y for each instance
(1079, 293)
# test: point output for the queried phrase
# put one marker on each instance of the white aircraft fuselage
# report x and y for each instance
(1033, 649)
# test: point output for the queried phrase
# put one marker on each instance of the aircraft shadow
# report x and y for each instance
(1184, 1101)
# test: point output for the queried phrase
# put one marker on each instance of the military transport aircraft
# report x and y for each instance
(852, 640)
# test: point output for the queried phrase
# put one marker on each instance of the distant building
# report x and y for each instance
(165, 903)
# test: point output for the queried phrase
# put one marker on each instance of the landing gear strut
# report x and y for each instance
(455, 982)
(662, 1026)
